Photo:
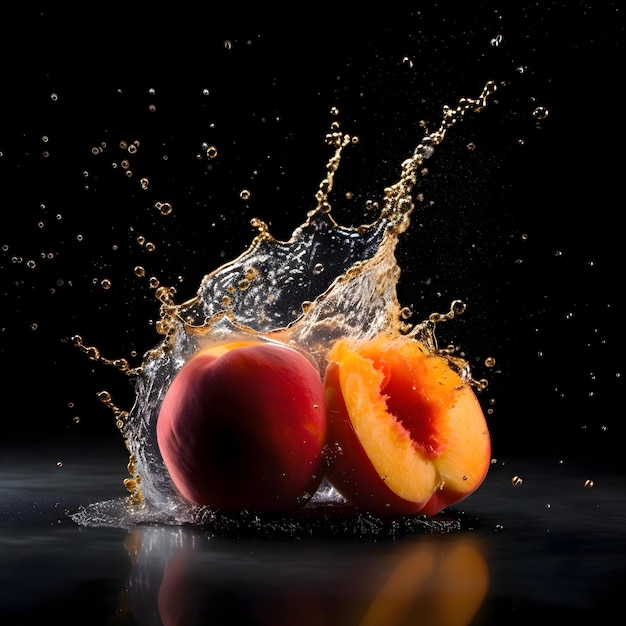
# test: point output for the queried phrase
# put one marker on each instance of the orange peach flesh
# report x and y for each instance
(386, 442)
(419, 425)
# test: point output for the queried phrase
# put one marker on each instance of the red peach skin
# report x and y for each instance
(242, 426)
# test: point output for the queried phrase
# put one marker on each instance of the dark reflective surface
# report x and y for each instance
(524, 226)
(550, 546)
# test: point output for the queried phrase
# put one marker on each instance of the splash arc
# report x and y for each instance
(274, 291)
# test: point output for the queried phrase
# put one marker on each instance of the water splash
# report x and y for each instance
(327, 281)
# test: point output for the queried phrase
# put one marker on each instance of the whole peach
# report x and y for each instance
(242, 426)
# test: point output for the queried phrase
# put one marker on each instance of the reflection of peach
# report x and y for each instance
(177, 599)
(242, 426)
(428, 581)
(439, 583)
(412, 434)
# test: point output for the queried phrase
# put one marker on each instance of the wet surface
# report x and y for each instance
(548, 547)
(517, 217)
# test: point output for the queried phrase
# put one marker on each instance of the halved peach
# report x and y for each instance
(409, 434)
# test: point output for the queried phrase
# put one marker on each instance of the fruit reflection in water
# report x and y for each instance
(406, 447)
(423, 581)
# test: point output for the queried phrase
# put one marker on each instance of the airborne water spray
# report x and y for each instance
(324, 283)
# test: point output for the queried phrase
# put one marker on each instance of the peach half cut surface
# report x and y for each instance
(243, 425)
(408, 435)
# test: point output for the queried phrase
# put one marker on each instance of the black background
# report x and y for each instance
(526, 228)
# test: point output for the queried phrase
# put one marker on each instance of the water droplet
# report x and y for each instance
(274, 279)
